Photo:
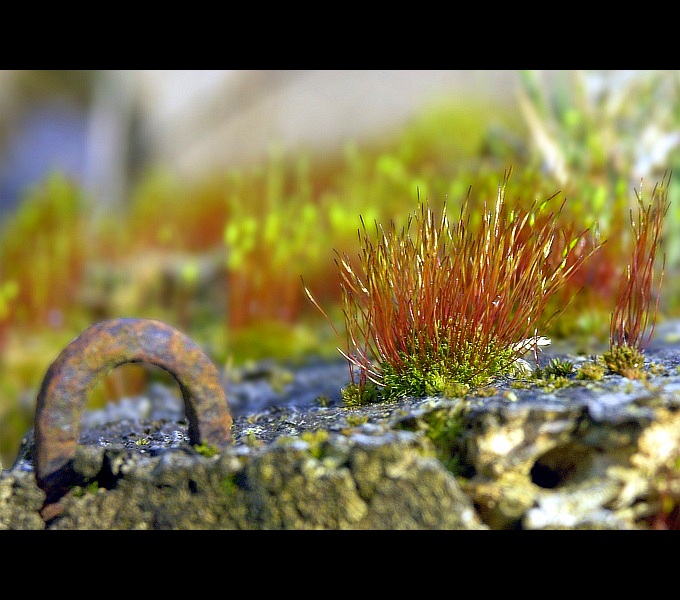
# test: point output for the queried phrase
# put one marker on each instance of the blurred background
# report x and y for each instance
(203, 198)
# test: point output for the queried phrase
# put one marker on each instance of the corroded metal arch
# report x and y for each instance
(94, 353)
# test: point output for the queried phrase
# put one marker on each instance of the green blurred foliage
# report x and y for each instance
(602, 134)
(43, 248)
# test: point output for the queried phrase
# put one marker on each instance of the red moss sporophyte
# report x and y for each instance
(434, 306)
(637, 299)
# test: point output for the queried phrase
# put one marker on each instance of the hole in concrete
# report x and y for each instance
(106, 477)
(561, 465)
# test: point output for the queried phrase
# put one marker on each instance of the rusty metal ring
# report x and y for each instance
(94, 353)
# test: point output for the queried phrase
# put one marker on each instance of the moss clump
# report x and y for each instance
(317, 441)
(439, 372)
(591, 370)
(444, 429)
(206, 450)
(360, 395)
(228, 485)
(555, 368)
(90, 488)
(625, 360)
(323, 401)
(356, 420)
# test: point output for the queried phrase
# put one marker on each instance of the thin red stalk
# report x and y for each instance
(486, 286)
(636, 305)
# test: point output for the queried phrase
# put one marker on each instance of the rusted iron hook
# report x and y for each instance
(87, 359)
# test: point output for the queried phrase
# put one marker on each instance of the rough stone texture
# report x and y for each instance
(361, 481)
(20, 501)
(587, 455)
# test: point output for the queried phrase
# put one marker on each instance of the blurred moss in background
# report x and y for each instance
(221, 254)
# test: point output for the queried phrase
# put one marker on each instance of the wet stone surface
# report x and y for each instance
(268, 400)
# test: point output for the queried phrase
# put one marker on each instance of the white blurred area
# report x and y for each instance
(199, 120)
(105, 128)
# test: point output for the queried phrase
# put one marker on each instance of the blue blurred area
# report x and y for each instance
(49, 137)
